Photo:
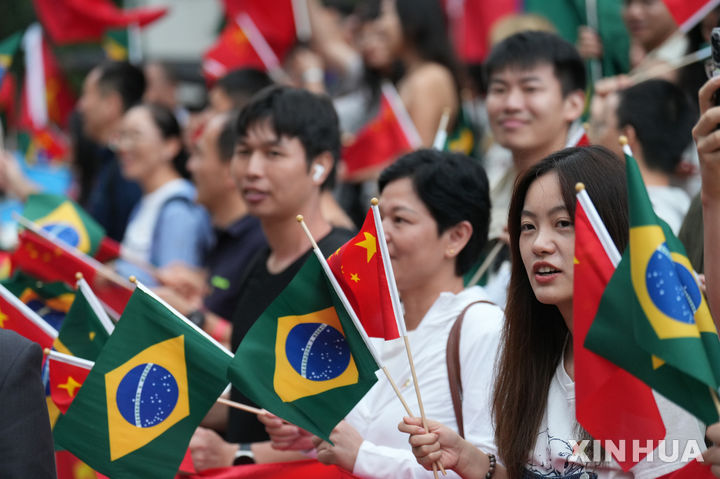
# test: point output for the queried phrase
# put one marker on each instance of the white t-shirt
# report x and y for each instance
(670, 204)
(553, 453)
(385, 452)
(137, 241)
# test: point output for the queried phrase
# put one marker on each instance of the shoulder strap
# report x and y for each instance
(453, 365)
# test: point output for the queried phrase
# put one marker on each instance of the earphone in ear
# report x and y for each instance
(318, 171)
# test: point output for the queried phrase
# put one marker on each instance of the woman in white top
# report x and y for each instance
(534, 396)
(167, 225)
(435, 209)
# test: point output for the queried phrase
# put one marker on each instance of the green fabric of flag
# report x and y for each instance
(83, 333)
(65, 220)
(303, 359)
(50, 300)
(568, 15)
(8, 47)
(152, 384)
(115, 43)
(653, 320)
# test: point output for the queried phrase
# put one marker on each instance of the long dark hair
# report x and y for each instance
(167, 123)
(424, 26)
(534, 334)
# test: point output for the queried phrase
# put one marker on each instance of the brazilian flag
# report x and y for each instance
(8, 47)
(152, 384)
(86, 327)
(303, 359)
(50, 300)
(115, 43)
(653, 320)
(63, 219)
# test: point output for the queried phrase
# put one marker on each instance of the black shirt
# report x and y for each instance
(228, 260)
(258, 289)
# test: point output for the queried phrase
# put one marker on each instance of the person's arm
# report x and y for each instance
(26, 445)
(479, 346)
(707, 139)
(426, 95)
(443, 445)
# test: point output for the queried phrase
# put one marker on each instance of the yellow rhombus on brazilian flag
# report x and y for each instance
(64, 219)
(151, 385)
(303, 359)
(653, 320)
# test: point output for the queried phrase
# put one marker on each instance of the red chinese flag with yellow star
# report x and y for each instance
(67, 374)
(17, 316)
(50, 260)
(358, 267)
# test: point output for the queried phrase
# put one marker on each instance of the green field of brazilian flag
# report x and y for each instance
(152, 384)
(653, 320)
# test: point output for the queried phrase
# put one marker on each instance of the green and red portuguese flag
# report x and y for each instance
(653, 320)
(151, 385)
(303, 359)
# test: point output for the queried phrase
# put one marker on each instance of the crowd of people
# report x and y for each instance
(204, 204)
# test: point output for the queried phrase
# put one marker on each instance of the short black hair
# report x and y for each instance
(454, 188)
(662, 116)
(241, 84)
(226, 138)
(296, 113)
(532, 48)
(123, 78)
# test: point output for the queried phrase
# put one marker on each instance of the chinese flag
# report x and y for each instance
(66, 375)
(471, 22)
(275, 20)
(386, 137)
(52, 261)
(18, 317)
(359, 268)
(611, 404)
(73, 21)
(232, 50)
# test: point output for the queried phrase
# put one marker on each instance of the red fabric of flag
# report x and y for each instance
(232, 50)
(688, 13)
(278, 470)
(693, 470)
(73, 21)
(108, 250)
(70, 467)
(378, 143)
(275, 20)
(48, 261)
(65, 381)
(359, 268)
(471, 22)
(611, 404)
(14, 319)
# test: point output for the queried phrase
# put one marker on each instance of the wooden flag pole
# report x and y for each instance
(241, 407)
(399, 317)
(494, 252)
(351, 312)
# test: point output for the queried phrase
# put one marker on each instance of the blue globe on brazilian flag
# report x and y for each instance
(303, 359)
(152, 384)
(653, 320)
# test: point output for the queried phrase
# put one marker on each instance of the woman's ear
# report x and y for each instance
(171, 147)
(458, 236)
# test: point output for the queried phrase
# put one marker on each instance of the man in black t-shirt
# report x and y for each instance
(287, 145)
